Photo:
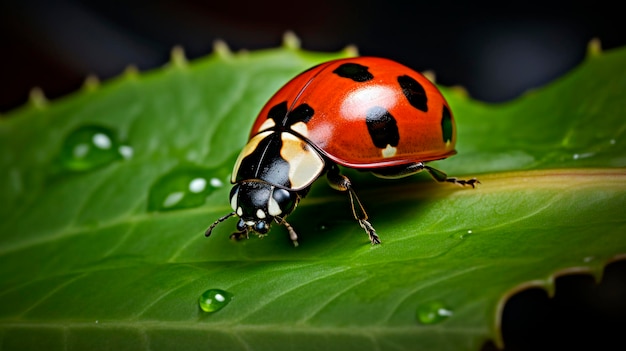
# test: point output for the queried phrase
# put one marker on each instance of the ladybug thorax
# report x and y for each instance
(279, 157)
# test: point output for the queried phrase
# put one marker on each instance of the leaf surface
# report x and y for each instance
(109, 253)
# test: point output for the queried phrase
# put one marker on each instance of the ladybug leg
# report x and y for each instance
(402, 171)
(407, 170)
(240, 235)
(340, 182)
(220, 220)
(292, 233)
(442, 177)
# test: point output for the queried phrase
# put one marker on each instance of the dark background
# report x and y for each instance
(495, 53)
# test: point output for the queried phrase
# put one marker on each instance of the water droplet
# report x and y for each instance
(462, 235)
(588, 259)
(433, 312)
(214, 300)
(184, 188)
(583, 155)
(197, 185)
(126, 151)
(216, 183)
(89, 147)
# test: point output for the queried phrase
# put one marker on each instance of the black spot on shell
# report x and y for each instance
(414, 92)
(447, 127)
(278, 112)
(382, 127)
(354, 71)
(282, 117)
(302, 113)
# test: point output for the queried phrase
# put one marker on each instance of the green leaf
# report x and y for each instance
(102, 243)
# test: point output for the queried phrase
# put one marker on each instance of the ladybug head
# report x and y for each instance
(257, 204)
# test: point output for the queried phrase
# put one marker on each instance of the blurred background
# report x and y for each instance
(496, 54)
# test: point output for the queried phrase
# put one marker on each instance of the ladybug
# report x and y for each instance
(366, 113)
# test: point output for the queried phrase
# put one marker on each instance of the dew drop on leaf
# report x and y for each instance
(214, 300)
(89, 147)
(433, 312)
(126, 151)
(184, 188)
(461, 235)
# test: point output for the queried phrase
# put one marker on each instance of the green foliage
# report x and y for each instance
(102, 243)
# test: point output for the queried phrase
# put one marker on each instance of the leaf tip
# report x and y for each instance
(37, 98)
(430, 75)
(594, 48)
(91, 83)
(351, 50)
(131, 71)
(221, 49)
(460, 91)
(177, 57)
(291, 40)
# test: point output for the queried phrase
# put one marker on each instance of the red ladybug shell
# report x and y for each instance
(365, 113)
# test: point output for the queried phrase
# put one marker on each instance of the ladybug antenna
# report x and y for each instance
(220, 220)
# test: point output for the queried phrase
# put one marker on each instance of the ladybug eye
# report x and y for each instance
(282, 202)
(261, 227)
(241, 225)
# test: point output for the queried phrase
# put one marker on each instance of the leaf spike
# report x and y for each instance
(92, 83)
(460, 91)
(291, 40)
(221, 49)
(177, 57)
(351, 50)
(131, 71)
(597, 272)
(430, 75)
(594, 48)
(37, 98)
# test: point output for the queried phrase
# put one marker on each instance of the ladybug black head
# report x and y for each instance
(258, 203)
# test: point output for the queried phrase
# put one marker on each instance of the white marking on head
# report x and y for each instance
(233, 200)
(389, 151)
(260, 214)
(273, 208)
(250, 223)
(239, 211)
